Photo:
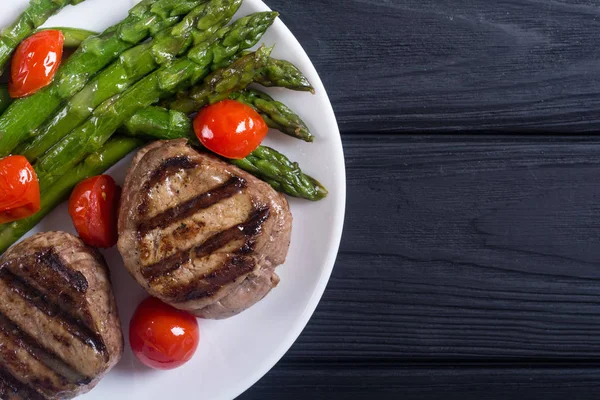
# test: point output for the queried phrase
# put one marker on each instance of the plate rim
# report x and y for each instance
(339, 219)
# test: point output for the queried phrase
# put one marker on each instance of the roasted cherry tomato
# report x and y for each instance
(35, 62)
(230, 128)
(161, 336)
(93, 206)
(19, 189)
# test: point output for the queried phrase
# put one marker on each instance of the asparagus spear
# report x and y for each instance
(275, 73)
(113, 113)
(265, 163)
(282, 73)
(159, 123)
(53, 194)
(35, 15)
(134, 64)
(224, 82)
(221, 83)
(96, 52)
(73, 39)
(73, 36)
(282, 174)
(276, 114)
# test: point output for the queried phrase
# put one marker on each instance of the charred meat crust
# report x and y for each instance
(167, 168)
(49, 359)
(12, 388)
(207, 285)
(245, 230)
(253, 289)
(190, 207)
(45, 272)
(37, 299)
(58, 316)
(193, 228)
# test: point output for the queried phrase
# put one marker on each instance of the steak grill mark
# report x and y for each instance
(208, 284)
(45, 356)
(62, 285)
(246, 230)
(75, 279)
(73, 325)
(188, 208)
(11, 386)
(167, 168)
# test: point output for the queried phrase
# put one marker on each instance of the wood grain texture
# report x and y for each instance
(470, 265)
(427, 382)
(460, 250)
(478, 249)
(455, 66)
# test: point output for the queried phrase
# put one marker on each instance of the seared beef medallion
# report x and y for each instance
(199, 233)
(59, 328)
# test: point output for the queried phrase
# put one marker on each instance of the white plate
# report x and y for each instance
(235, 353)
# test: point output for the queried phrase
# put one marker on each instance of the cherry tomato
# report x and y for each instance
(230, 129)
(35, 62)
(93, 206)
(19, 189)
(161, 336)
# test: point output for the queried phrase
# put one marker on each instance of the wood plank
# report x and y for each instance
(426, 382)
(468, 248)
(469, 269)
(455, 66)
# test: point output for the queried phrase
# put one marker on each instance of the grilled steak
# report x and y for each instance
(201, 234)
(59, 329)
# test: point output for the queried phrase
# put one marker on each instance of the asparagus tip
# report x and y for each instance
(321, 191)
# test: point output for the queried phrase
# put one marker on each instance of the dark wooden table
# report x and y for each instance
(470, 263)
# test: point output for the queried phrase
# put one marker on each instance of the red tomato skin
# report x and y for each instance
(230, 129)
(35, 62)
(19, 189)
(93, 207)
(163, 337)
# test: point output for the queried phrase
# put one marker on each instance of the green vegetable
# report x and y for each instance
(274, 73)
(113, 113)
(264, 163)
(159, 123)
(277, 115)
(53, 194)
(221, 83)
(282, 174)
(5, 98)
(24, 115)
(225, 82)
(73, 39)
(73, 36)
(281, 73)
(34, 16)
(133, 65)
